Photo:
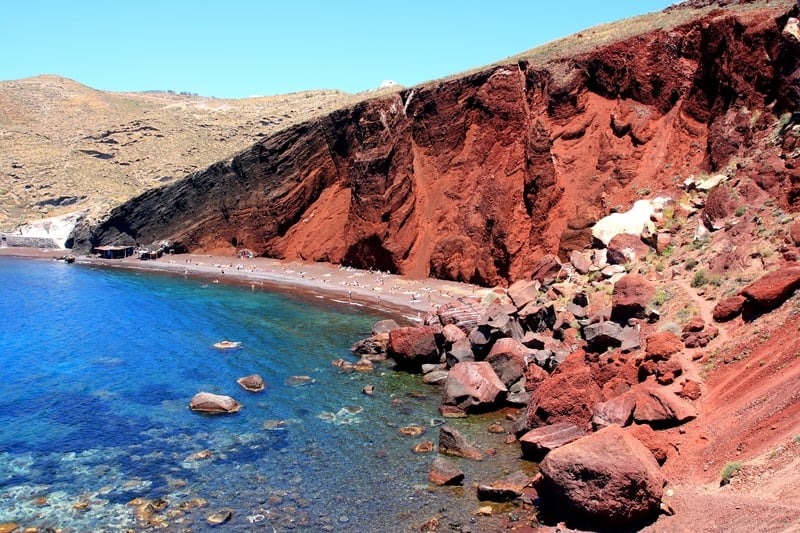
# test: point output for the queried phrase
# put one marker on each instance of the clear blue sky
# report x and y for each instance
(240, 48)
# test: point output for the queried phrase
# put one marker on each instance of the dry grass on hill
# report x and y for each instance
(65, 146)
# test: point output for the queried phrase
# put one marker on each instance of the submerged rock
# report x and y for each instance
(445, 472)
(506, 489)
(411, 431)
(299, 381)
(384, 326)
(451, 442)
(219, 518)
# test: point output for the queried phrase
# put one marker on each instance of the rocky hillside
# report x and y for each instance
(635, 187)
(476, 177)
(66, 147)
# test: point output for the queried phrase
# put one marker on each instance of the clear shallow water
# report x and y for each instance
(98, 370)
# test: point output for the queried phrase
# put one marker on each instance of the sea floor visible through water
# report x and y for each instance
(100, 366)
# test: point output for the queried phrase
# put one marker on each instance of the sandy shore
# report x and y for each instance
(411, 298)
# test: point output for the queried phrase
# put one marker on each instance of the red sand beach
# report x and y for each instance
(375, 289)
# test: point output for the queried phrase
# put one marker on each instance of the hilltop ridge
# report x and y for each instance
(67, 147)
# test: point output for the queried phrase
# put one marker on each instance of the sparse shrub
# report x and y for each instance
(730, 468)
(697, 244)
(776, 452)
(690, 264)
(741, 210)
(796, 438)
(700, 278)
(672, 327)
(668, 251)
(716, 280)
(661, 296)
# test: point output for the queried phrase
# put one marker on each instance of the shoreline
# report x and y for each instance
(393, 293)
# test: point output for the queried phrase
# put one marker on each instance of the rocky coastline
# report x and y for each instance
(585, 376)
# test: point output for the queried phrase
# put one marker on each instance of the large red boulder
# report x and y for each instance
(606, 479)
(568, 395)
(652, 440)
(720, 205)
(663, 345)
(616, 411)
(630, 297)
(626, 248)
(413, 347)
(523, 291)
(771, 290)
(728, 308)
(661, 408)
(472, 385)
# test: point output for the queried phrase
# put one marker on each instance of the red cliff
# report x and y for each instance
(476, 177)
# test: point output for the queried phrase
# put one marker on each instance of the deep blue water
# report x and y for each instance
(99, 366)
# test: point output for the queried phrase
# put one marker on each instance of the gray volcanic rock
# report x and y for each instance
(508, 359)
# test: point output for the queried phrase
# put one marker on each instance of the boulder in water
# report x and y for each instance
(252, 383)
(214, 403)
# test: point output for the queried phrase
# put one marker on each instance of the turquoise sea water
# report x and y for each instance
(99, 366)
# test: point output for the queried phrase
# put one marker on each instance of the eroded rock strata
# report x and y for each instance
(476, 177)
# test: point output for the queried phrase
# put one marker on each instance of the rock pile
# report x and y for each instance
(577, 375)
(591, 387)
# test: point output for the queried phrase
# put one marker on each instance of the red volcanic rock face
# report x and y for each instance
(476, 178)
